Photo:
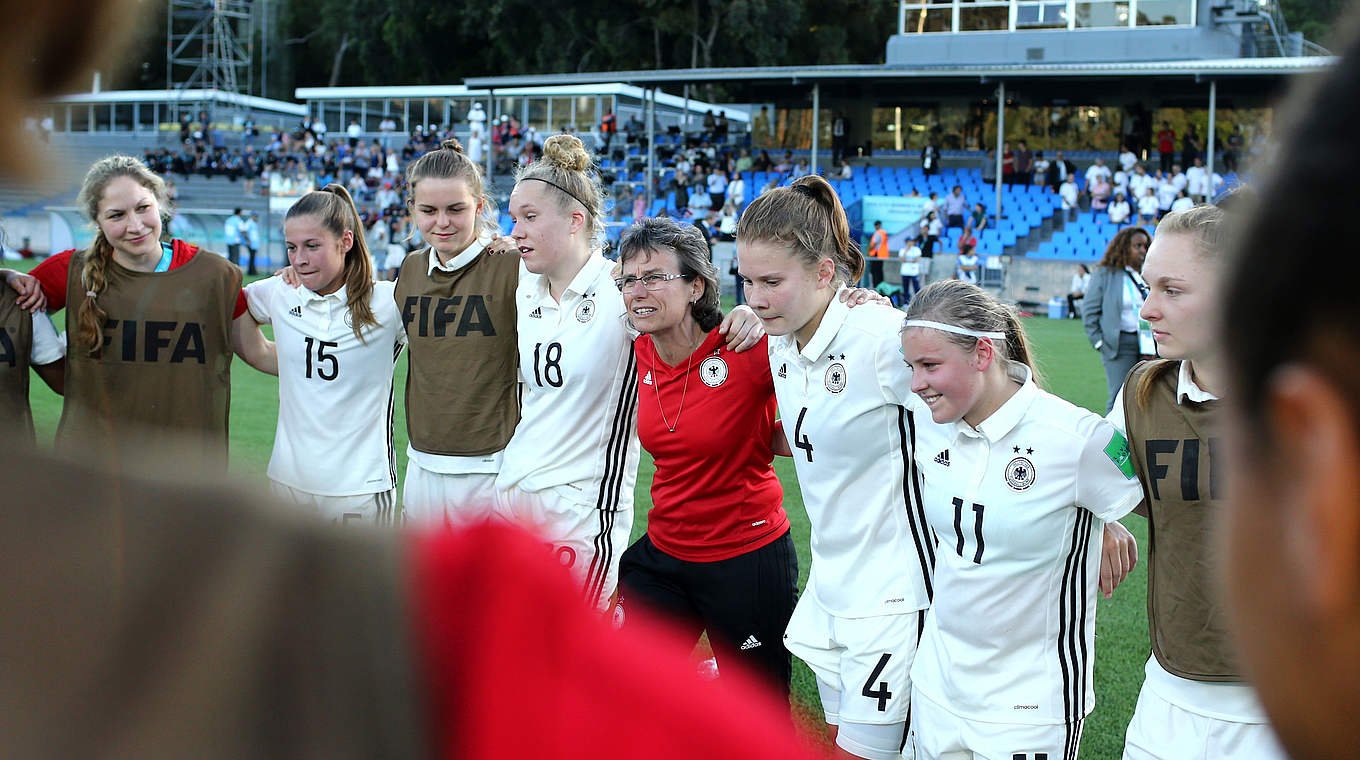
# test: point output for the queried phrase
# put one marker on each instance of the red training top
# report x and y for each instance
(515, 665)
(52, 274)
(715, 495)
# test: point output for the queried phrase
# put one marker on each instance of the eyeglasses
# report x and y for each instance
(652, 281)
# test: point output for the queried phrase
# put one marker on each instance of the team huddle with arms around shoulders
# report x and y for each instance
(964, 520)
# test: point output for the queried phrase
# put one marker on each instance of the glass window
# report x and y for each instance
(508, 107)
(929, 18)
(122, 117)
(1164, 12)
(978, 18)
(585, 113)
(538, 114)
(1041, 16)
(561, 114)
(1102, 13)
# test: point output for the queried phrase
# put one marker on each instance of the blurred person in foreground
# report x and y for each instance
(1292, 530)
(166, 616)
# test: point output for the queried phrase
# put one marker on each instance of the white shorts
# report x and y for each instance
(590, 541)
(1161, 730)
(866, 662)
(370, 508)
(938, 734)
(434, 498)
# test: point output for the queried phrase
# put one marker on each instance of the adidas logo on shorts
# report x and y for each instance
(537, 313)
(751, 642)
(942, 458)
(296, 311)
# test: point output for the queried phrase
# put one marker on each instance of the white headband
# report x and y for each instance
(954, 329)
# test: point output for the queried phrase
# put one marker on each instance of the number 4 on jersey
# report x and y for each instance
(799, 440)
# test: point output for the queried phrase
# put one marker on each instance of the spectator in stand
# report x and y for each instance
(763, 162)
(911, 270)
(786, 163)
(1121, 181)
(933, 229)
(250, 238)
(1178, 177)
(1007, 164)
(955, 208)
(967, 268)
(1166, 195)
(967, 241)
(877, 254)
(387, 126)
(1183, 202)
(1076, 291)
(1119, 210)
(387, 197)
(1140, 181)
(608, 126)
(1166, 145)
(977, 221)
(231, 232)
(1059, 170)
(727, 223)
(736, 191)
(1039, 169)
(1096, 170)
(1068, 191)
(1148, 208)
(1109, 313)
(1024, 164)
(1099, 190)
(932, 204)
(744, 162)
(1235, 144)
(1191, 148)
(800, 170)
(717, 188)
(930, 159)
(1126, 158)
(355, 132)
(1197, 184)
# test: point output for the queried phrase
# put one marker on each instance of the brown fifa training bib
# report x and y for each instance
(1175, 448)
(461, 397)
(16, 342)
(164, 367)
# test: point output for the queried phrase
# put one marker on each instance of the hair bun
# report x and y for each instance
(567, 152)
(451, 144)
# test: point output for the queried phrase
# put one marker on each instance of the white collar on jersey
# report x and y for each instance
(832, 320)
(1004, 420)
(1186, 388)
(462, 259)
(305, 296)
(583, 282)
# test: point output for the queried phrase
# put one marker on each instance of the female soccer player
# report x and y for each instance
(570, 467)
(841, 385)
(1193, 702)
(1109, 311)
(150, 341)
(1017, 493)
(717, 555)
(336, 340)
(457, 305)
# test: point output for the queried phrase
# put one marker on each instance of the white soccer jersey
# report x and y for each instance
(47, 345)
(577, 432)
(1018, 506)
(334, 436)
(844, 403)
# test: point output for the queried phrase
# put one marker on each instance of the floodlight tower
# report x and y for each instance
(208, 45)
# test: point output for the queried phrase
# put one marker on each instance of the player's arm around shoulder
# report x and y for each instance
(247, 340)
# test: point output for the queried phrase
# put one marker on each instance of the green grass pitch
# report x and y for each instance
(1071, 369)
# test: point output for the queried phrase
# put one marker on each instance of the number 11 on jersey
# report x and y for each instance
(978, 509)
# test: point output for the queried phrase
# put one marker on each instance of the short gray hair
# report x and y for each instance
(691, 251)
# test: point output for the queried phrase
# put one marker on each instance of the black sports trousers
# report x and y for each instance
(744, 602)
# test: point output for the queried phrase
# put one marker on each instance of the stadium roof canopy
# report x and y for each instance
(1255, 67)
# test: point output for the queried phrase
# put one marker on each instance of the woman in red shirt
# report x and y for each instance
(717, 555)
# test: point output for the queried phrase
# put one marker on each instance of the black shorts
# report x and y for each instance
(744, 602)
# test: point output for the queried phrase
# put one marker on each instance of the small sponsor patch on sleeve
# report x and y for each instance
(1118, 452)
